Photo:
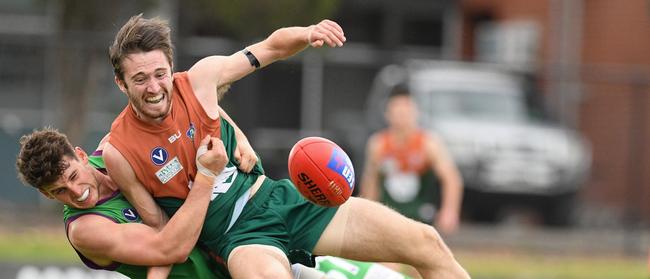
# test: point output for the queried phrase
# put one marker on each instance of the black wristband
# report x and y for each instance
(251, 58)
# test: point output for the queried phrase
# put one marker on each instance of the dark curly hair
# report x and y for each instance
(40, 161)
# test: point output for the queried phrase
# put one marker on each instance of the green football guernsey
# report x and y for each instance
(117, 209)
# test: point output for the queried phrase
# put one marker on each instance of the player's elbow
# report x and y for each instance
(156, 223)
(179, 254)
(172, 251)
(174, 256)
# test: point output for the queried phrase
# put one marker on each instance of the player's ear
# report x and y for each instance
(81, 154)
(386, 116)
(120, 83)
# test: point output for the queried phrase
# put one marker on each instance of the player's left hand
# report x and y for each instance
(325, 32)
(211, 156)
(447, 221)
(245, 156)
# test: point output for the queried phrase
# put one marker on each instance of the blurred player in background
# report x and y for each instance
(252, 221)
(405, 167)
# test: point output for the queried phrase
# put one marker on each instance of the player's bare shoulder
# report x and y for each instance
(205, 72)
(111, 155)
(118, 166)
(436, 148)
(85, 231)
(433, 140)
(374, 143)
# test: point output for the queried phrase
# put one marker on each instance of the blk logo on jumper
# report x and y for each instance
(130, 214)
(159, 156)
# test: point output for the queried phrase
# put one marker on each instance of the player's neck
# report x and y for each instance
(402, 134)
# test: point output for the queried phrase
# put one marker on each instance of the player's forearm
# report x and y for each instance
(148, 210)
(369, 189)
(159, 272)
(151, 214)
(155, 217)
(452, 193)
(183, 230)
(122, 174)
(281, 44)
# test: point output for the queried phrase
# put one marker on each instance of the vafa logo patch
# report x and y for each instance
(159, 156)
(130, 214)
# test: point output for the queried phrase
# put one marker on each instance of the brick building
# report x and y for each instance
(593, 63)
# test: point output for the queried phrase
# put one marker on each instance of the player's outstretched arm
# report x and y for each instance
(370, 177)
(448, 218)
(211, 72)
(286, 42)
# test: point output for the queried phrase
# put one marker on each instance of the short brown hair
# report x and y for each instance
(41, 161)
(401, 89)
(140, 35)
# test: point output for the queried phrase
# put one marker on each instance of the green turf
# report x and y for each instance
(52, 247)
(486, 265)
(36, 247)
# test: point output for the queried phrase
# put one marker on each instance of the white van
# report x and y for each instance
(507, 157)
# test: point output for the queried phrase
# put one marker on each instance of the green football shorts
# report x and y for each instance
(279, 216)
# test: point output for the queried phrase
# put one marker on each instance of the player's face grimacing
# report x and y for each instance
(148, 84)
(77, 187)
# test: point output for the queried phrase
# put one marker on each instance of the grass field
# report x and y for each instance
(50, 246)
(36, 246)
(519, 265)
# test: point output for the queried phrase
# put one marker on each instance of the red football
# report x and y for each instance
(321, 171)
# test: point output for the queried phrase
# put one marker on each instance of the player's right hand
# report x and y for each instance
(211, 156)
(245, 155)
(326, 32)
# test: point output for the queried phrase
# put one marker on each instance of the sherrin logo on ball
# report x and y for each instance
(321, 171)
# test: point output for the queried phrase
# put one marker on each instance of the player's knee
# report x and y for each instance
(431, 235)
(258, 261)
(260, 271)
(430, 247)
(272, 271)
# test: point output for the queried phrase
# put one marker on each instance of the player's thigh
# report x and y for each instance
(369, 231)
(258, 261)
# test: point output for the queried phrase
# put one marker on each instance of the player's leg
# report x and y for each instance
(368, 231)
(258, 261)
